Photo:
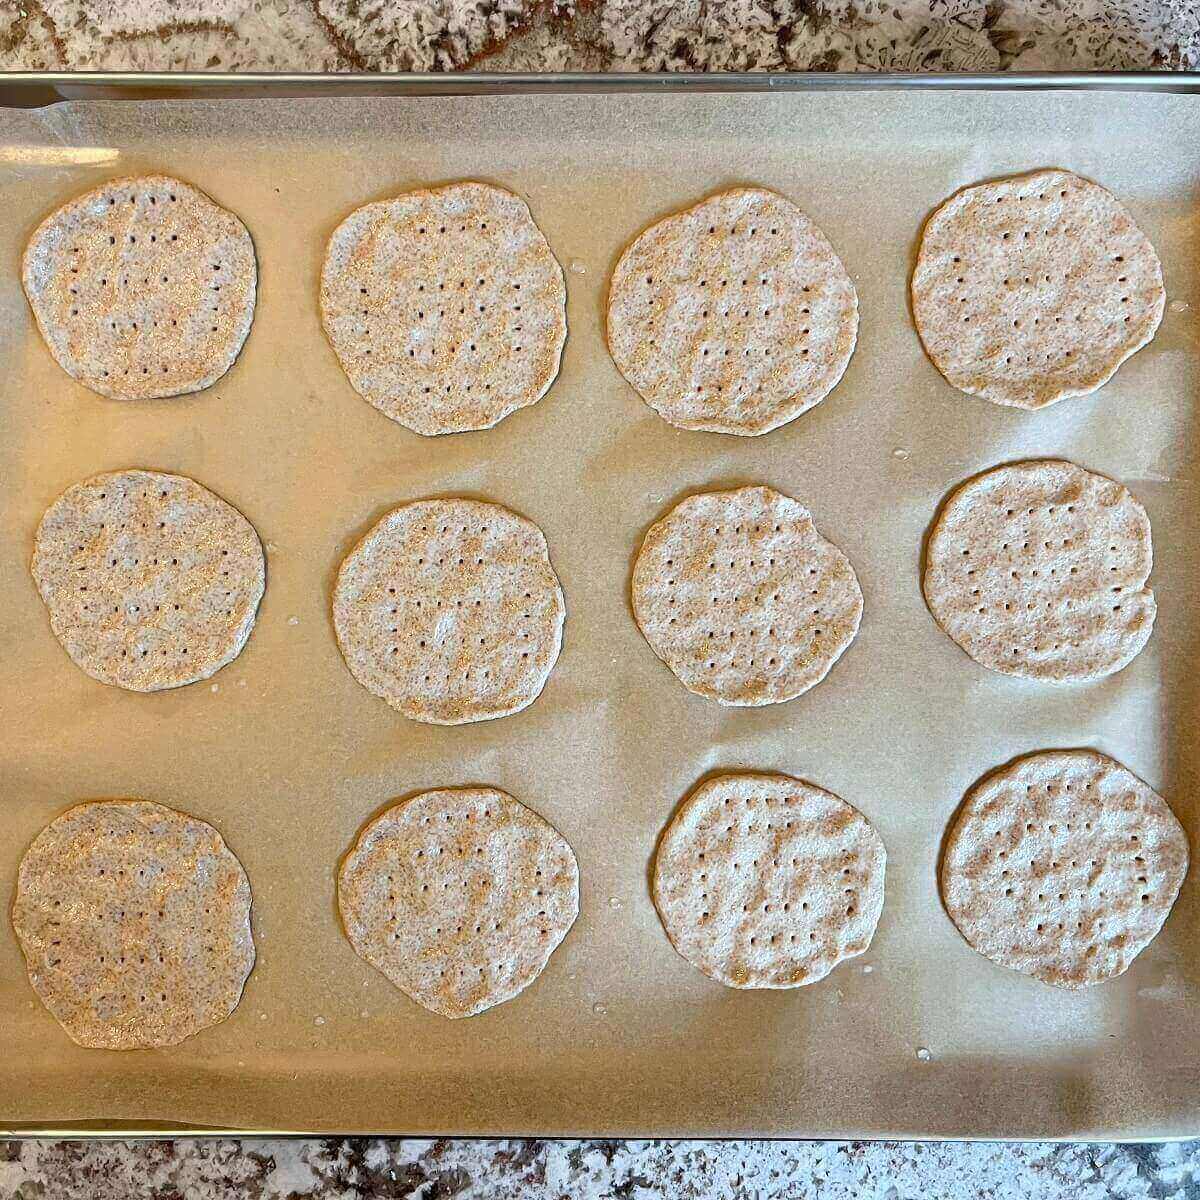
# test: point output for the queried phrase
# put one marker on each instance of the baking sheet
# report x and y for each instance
(288, 756)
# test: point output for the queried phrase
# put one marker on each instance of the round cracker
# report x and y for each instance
(450, 611)
(742, 598)
(1035, 288)
(446, 308)
(1038, 569)
(134, 920)
(734, 316)
(764, 881)
(1064, 866)
(151, 580)
(459, 896)
(142, 287)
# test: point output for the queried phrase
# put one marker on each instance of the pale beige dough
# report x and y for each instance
(450, 611)
(764, 881)
(742, 598)
(459, 896)
(446, 307)
(1063, 865)
(142, 287)
(1039, 569)
(151, 580)
(734, 316)
(134, 921)
(1034, 288)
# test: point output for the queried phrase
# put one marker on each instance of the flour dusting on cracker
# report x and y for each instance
(450, 611)
(742, 598)
(1034, 288)
(459, 896)
(151, 580)
(734, 316)
(1064, 866)
(134, 920)
(1039, 569)
(446, 307)
(764, 881)
(142, 287)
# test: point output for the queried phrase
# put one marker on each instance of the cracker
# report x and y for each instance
(142, 287)
(742, 598)
(450, 611)
(446, 308)
(459, 896)
(151, 580)
(733, 316)
(1038, 569)
(1063, 865)
(764, 881)
(134, 921)
(1034, 288)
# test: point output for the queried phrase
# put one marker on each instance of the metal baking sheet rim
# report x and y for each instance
(37, 89)
(23, 1133)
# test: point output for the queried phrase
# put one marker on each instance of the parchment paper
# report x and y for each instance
(288, 756)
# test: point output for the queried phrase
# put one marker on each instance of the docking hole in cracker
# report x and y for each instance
(1063, 865)
(1039, 569)
(450, 611)
(151, 580)
(142, 287)
(134, 921)
(1031, 289)
(742, 598)
(733, 316)
(446, 308)
(764, 881)
(459, 896)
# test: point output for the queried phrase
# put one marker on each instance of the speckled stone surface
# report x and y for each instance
(541, 35)
(622, 35)
(341, 1169)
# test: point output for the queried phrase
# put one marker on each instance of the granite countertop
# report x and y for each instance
(629, 35)
(345, 35)
(345, 1168)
